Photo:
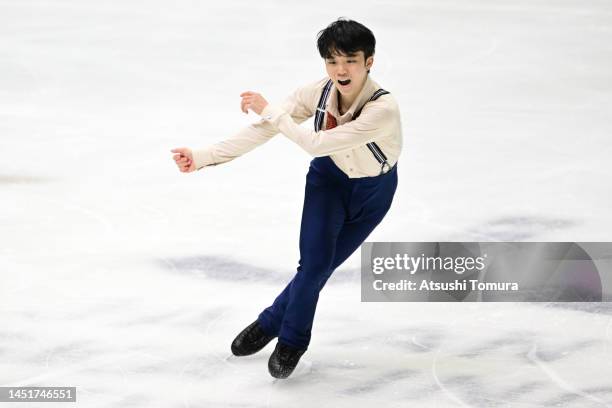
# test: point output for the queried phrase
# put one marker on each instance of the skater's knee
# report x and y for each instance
(316, 267)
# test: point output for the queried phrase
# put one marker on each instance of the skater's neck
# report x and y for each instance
(345, 103)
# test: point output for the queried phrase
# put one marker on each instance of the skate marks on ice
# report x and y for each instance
(519, 228)
(226, 269)
(219, 268)
(572, 393)
(17, 179)
(432, 367)
(601, 308)
(119, 355)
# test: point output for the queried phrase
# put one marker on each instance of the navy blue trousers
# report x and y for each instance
(338, 215)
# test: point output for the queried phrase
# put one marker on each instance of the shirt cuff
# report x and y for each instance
(203, 158)
(272, 113)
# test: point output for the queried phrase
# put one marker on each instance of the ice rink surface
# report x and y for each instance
(127, 279)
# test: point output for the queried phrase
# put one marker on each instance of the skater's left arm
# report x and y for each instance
(378, 119)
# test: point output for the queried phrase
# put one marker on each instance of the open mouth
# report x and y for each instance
(345, 82)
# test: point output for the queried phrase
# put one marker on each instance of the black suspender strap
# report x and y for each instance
(374, 148)
(320, 115)
(375, 96)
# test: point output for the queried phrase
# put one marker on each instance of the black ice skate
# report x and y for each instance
(283, 360)
(250, 340)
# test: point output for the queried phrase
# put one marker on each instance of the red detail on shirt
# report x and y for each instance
(331, 122)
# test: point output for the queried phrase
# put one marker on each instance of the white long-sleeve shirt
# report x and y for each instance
(379, 122)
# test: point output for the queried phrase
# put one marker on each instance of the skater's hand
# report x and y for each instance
(252, 101)
(183, 159)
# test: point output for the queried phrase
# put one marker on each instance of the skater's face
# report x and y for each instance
(348, 71)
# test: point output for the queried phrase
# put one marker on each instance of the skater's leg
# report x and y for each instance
(350, 239)
(375, 202)
(351, 236)
(270, 318)
(322, 217)
(322, 220)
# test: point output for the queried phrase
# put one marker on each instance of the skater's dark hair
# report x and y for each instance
(345, 37)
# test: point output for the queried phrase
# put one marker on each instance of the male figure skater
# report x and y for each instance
(349, 186)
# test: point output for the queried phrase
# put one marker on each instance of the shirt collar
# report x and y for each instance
(369, 87)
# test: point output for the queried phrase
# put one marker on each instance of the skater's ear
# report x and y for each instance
(369, 62)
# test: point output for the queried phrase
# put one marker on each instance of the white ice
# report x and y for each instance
(127, 279)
